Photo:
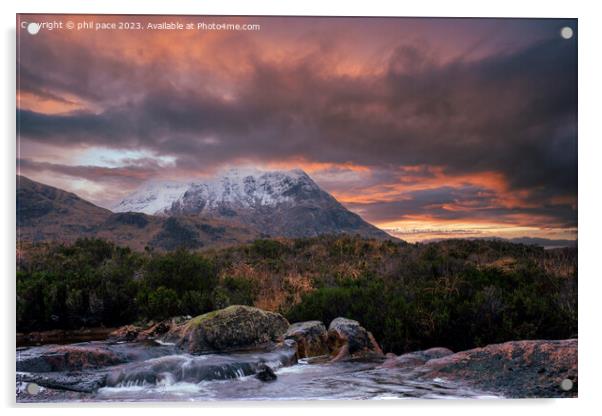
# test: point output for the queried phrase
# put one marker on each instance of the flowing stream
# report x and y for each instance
(156, 372)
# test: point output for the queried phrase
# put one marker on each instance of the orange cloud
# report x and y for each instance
(311, 167)
(419, 228)
(422, 177)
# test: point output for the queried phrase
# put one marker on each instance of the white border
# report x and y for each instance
(590, 68)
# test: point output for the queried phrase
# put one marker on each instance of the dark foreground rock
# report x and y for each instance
(348, 339)
(82, 382)
(230, 329)
(514, 369)
(265, 373)
(311, 338)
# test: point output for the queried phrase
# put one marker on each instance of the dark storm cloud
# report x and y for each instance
(73, 128)
(130, 175)
(512, 112)
(59, 66)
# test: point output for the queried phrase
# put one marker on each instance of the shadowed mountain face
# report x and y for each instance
(44, 212)
(230, 210)
(277, 204)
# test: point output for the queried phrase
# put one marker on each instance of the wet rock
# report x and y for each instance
(409, 360)
(416, 358)
(233, 328)
(514, 369)
(348, 339)
(437, 352)
(197, 368)
(265, 373)
(67, 358)
(76, 381)
(311, 338)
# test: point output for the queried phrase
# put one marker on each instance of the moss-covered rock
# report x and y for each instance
(233, 328)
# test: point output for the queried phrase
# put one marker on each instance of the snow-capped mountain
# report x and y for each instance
(234, 188)
(275, 203)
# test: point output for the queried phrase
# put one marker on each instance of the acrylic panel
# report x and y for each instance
(295, 208)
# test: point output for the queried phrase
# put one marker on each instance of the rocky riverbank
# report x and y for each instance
(60, 336)
(241, 341)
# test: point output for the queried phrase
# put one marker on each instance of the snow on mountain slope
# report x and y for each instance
(235, 188)
(152, 198)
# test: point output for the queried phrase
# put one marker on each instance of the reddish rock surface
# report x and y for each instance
(146, 332)
(348, 339)
(514, 369)
(311, 338)
(69, 358)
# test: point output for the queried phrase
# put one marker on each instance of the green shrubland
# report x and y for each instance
(456, 293)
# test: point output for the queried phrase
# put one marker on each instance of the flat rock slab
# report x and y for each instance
(66, 358)
(87, 355)
(416, 358)
(83, 382)
(515, 369)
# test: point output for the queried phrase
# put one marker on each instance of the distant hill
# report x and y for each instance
(45, 212)
(544, 242)
(529, 241)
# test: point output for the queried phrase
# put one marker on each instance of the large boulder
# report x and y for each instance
(311, 338)
(348, 339)
(233, 328)
(514, 369)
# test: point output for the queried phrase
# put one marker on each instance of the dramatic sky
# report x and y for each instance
(427, 128)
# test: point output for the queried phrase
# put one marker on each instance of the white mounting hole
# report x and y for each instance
(566, 32)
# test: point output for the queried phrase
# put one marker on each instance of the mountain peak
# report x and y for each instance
(277, 203)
